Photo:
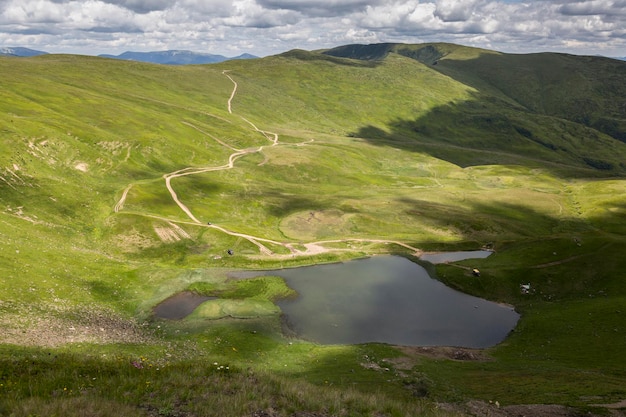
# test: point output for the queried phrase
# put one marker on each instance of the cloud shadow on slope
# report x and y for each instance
(487, 131)
(281, 205)
(491, 220)
(546, 109)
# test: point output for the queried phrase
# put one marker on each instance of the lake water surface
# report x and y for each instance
(443, 257)
(388, 299)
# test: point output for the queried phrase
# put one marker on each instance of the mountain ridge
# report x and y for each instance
(175, 57)
(169, 57)
(19, 51)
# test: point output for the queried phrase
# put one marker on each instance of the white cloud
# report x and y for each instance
(454, 10)
(272, 26)
(248, 13)
(100, 17)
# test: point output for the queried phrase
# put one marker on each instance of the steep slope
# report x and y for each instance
(562, 108)
(583, 89)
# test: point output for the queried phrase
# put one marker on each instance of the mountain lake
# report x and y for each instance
(388, 299)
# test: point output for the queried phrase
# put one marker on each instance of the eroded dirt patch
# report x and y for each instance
(443, 352)
(81, 166)
(493, 409)
(171, 233)
(316, 224)
(133, 241)
(55, 325)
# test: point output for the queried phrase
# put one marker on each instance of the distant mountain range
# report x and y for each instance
(17, 51)
(174, 57)
(171, 57)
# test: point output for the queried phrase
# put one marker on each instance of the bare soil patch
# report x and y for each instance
(82, 166)
(54, 325)
(171, 233)
(316, 224)
(444, 352)
(490, 409)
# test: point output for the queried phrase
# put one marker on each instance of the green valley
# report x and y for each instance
(124, 183)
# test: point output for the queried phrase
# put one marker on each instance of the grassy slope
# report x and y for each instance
(581, 89)
(555, 107)
(386, 150)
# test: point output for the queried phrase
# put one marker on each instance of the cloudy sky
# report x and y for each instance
(267, 27)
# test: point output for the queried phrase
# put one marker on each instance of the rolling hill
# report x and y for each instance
(122, 183)
(533, 100)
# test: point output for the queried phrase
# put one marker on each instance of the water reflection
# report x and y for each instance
(443, 257)
(389, 299)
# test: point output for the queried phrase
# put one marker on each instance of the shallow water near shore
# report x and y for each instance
(179, 305)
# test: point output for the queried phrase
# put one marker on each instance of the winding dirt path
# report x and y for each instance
(192, 171)
(312, 248)
(120, 204)
(232, 95)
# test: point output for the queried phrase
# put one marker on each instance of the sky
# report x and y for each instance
(268, 27)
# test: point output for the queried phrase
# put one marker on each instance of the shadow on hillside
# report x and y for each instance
(613, 218)
(487, 131)
(552, 110)
(583, 89)
(490, 221)
(280, 205)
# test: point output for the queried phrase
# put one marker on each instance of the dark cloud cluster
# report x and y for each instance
(142, 6)
(271, 26)
(593, 7)
(319, 8)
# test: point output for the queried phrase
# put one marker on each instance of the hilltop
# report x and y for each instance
(123, 183)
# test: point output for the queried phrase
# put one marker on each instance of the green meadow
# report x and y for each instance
(299, 159)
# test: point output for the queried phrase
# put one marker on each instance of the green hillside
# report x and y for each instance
(564, 109)
(123, 183)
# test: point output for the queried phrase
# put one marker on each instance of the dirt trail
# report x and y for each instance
(315, 248)
(120, 204)
(312, 248)
(192, 171)
(232, 95)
